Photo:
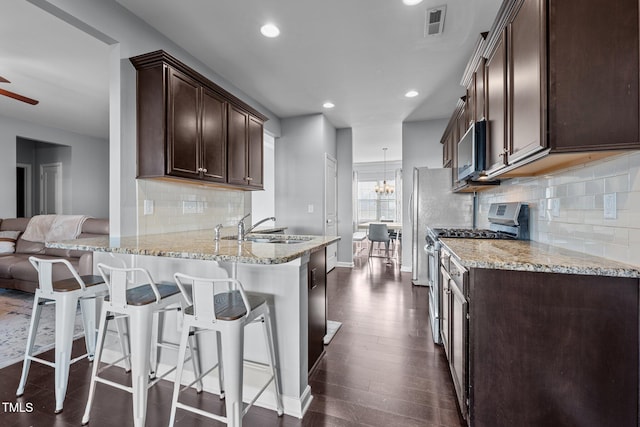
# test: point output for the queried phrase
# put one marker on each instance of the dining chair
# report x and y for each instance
(379, 233)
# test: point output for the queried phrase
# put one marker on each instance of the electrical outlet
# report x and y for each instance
(189, 207)
(610, 206)
(148, 207)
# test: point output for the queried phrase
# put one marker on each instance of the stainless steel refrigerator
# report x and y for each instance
(433, 204)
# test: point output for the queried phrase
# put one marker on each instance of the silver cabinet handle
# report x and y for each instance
(249, 178)
(204, 170)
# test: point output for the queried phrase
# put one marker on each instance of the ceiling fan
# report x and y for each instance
(16, 95)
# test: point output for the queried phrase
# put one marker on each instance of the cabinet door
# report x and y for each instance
(470, 104)
(458, 344)
(594, 96)
(183, 133)
(461, 126)
(238, 122)
(445, 309)
(255, 153)
(526, 58)
(446, 149)
(495, 96)
(214, 142)
(479, 92)
(317, 305)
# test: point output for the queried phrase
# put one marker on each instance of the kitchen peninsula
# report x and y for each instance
(274, 264)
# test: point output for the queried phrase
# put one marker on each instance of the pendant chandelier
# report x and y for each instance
(384, 188)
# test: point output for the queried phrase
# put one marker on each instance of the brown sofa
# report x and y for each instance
(16, 272)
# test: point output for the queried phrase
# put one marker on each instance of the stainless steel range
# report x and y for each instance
(506, 221)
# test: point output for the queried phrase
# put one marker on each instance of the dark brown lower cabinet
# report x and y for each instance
(317, 305)
(552, 349)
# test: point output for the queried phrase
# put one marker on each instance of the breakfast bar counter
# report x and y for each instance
(273, 264)
(257, 249)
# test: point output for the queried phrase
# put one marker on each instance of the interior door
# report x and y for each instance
(331, 208)
(51, 188)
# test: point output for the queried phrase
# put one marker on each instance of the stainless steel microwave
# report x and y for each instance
(472, 151)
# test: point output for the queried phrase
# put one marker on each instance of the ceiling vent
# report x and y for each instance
(434, 21)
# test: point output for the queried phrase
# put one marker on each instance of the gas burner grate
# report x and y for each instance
(470, 233)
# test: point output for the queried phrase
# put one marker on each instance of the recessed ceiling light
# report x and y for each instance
(270, 30)
(411, 94)
(411, 2)
(328, 104)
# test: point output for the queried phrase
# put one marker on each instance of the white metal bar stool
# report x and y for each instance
(139, 304)
(65, 294)
(227, 311)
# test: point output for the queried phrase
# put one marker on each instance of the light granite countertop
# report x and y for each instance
(201, 245)
(533, 256)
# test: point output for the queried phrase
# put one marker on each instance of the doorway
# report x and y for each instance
(51, 188)
(331, 208)
(24, 190)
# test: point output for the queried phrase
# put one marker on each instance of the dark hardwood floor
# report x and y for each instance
(381, 369)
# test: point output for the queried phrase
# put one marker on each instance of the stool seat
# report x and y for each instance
(143, 294)
(71, 284)
(230, 306)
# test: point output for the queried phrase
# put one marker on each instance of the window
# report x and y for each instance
(373, 206)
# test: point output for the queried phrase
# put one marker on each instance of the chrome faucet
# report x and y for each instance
(217, 231)
(241, 230)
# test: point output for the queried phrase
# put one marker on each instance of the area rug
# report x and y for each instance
(15, 315)
(332, 328)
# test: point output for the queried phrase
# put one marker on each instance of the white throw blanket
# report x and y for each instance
(52, 228)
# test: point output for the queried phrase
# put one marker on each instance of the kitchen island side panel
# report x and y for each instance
(552, 349)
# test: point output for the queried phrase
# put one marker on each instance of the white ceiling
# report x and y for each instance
(362, 55)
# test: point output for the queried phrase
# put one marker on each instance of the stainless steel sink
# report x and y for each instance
(288, 241)
(281, 239)
(276, 239)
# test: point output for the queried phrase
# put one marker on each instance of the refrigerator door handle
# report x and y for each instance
(411, 208)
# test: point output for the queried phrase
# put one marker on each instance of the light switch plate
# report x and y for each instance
(610, 206)
(542, 208)
(148, 207)
(189, 207)
(310, 208)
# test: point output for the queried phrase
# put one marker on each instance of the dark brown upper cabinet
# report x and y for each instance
(572, 75)
(561, 84)
(245, 149)
(495, 100)
(186, 126)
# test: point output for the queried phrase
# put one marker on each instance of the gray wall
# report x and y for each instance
(299, 167)
(420, 147)
(88, 173)
(344, 146)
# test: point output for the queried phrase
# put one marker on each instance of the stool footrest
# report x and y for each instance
(114, 384)
(201, 412)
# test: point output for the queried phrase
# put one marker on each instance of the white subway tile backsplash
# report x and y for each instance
(577, 194)
(616, 184)
(206, 207)
(595, 186)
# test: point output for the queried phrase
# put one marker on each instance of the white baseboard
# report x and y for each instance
(254, 378)
(345, 264)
